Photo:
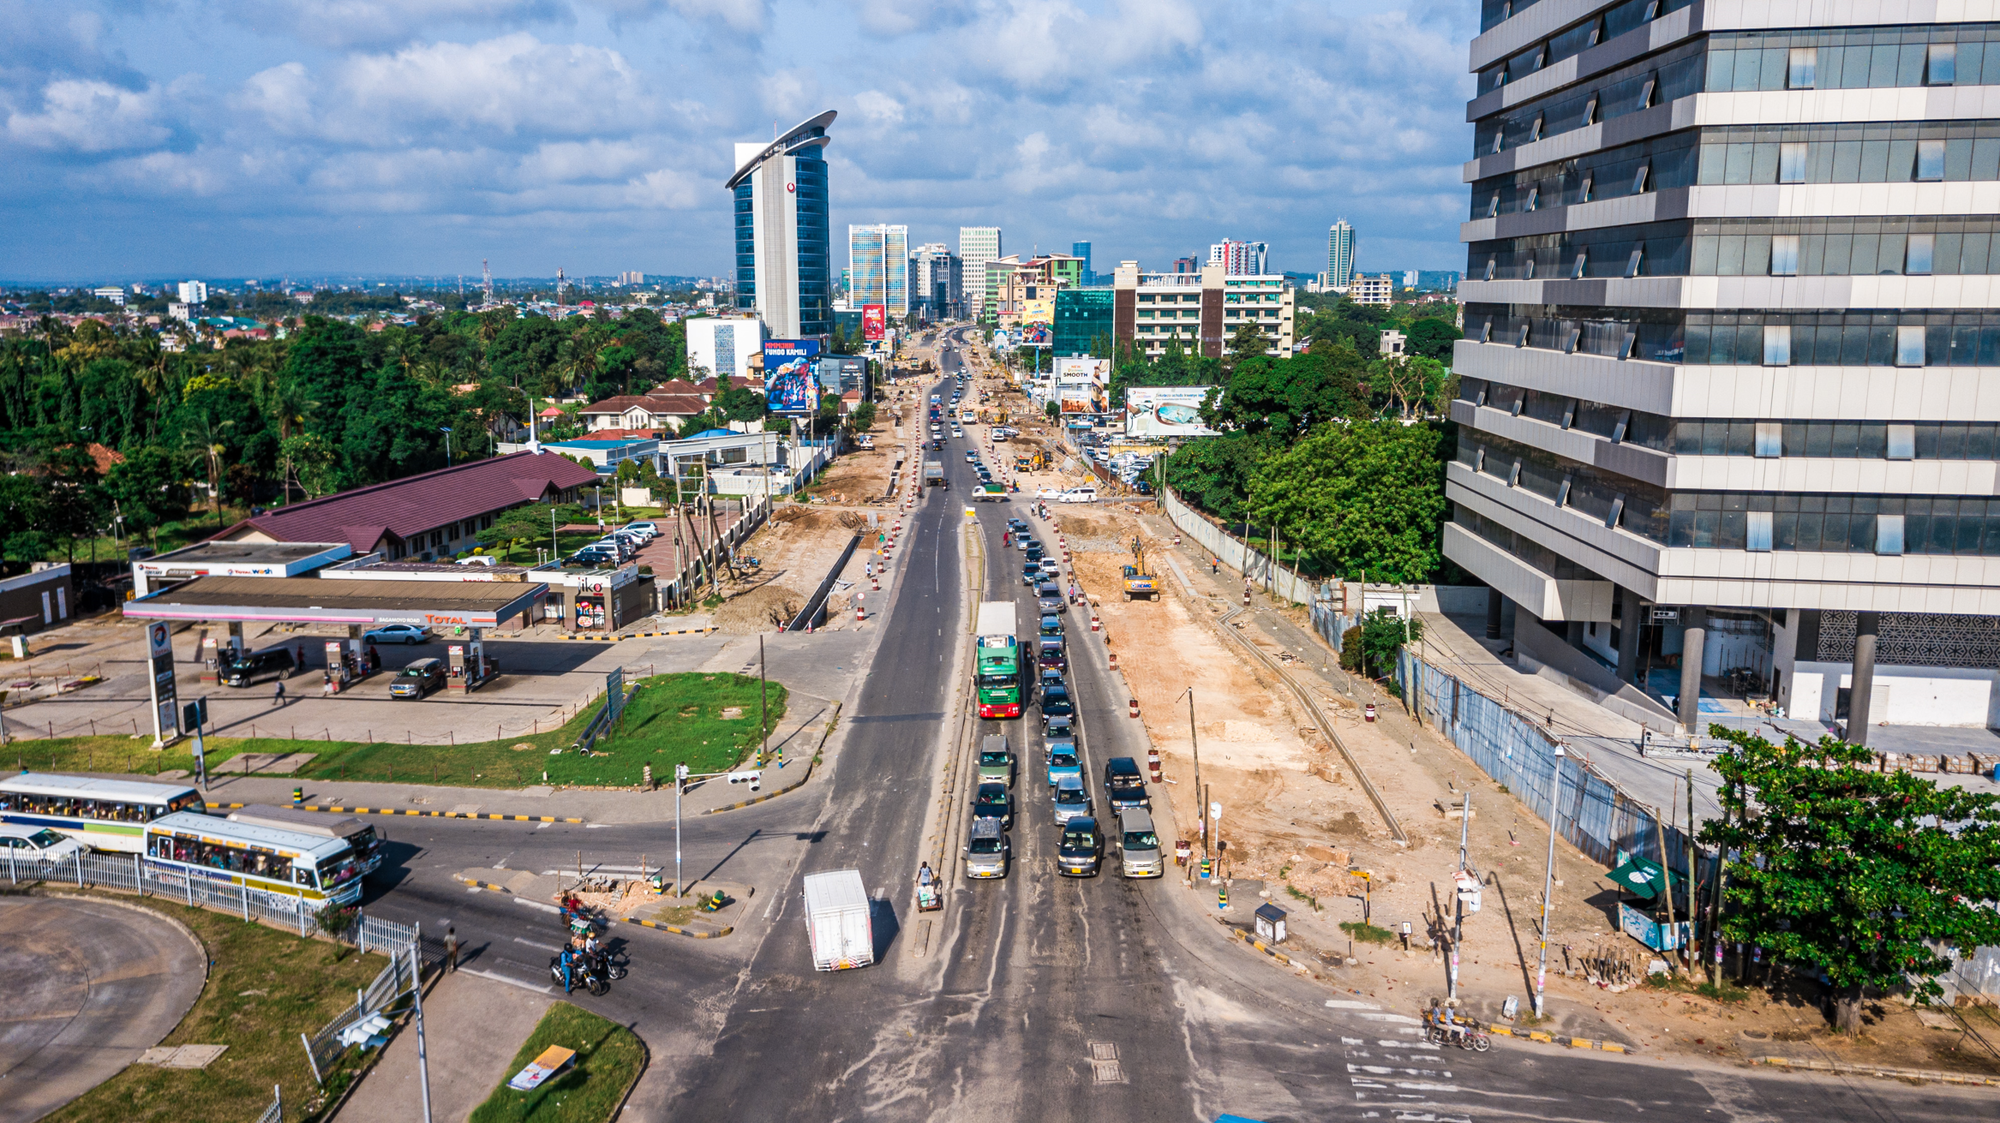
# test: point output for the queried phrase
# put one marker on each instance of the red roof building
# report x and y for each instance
(641, 411)
(429, 515)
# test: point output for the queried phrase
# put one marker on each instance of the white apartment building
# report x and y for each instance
(977, 245)
(723, 345)
(1203, 310)
(1339, 257)
(1372, 290)
(1240, 259)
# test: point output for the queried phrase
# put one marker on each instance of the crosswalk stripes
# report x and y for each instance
(1401, 1074)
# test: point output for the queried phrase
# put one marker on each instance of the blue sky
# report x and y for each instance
(148, 138)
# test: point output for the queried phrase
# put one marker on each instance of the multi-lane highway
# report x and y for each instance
(1036, 997)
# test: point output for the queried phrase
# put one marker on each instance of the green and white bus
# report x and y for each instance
(101, 814)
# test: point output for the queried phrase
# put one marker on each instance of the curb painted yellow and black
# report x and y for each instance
(639, 635)
(408, 811)
(1557, 1039)
(678, 931)
(675, 929)
(1935, 1076)
(793, 786)
(1262, 946)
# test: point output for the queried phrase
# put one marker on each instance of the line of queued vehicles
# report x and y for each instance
(1073, 809)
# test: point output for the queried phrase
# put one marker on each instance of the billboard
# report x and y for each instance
(1083, 369)
(1077, 398)
(874, 321)
(1166, 411)
(1034, 335)
(790, 385)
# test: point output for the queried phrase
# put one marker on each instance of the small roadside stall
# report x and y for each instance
(1644, 889)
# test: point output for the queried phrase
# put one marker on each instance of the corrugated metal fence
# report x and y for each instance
(1588, 809)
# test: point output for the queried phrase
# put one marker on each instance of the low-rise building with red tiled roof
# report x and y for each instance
(429, 515)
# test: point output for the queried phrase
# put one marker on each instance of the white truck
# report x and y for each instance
(837, 920)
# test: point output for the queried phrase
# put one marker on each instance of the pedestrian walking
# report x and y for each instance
(450, 949)
(278, 699)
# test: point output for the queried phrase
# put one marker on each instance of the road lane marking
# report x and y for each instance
(536, 944)
(509, 980)
(1346, 1004)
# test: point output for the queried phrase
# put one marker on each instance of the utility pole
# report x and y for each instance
(1458, 900)
(1199, 795)
(1667, 880)
(1548, 881)
(763, 705)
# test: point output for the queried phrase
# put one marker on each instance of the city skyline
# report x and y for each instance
(421, 139)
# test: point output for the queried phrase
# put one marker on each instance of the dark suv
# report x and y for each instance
(260, 666)
(1124, 787)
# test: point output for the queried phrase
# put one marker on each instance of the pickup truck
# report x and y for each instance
(934, 474)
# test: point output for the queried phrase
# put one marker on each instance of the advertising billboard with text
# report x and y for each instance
(790, 384)
(1166, 411)
(874, 321)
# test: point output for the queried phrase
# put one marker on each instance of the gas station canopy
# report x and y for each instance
(470, 604)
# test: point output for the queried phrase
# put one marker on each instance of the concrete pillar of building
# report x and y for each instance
(1690, 700)
(1494, 604)
(236, 639)
(1866, 626)
(1632, 617)
(357, 651)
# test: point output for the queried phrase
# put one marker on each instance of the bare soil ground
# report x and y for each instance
(1295, 824)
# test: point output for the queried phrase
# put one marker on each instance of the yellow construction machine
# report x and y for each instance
(1139, 581)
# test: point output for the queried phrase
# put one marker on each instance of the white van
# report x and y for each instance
(1078, 495)
(1139, 845)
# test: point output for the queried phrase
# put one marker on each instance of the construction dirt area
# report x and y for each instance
(1298, 830)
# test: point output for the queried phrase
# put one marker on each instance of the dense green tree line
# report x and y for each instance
(1338, 450)
(333, 405)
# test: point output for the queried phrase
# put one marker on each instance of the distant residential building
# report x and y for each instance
(179, 311)
(194, 292)
(723, 345)
(1339, 256)
(1372, 290)
(977, 245)
(1203, 310)
(936, 285)
(878, 263)
(1240, 259)
(112, 293)
(1186, 265)
(631, 278)
(1409, 278)
(783, 256)
(1081, 250)
(1394, 342)
(656, 414)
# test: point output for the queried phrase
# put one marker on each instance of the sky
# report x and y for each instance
(144, 139)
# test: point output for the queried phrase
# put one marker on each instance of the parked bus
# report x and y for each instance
(359, 835)
(280, 863)
(101, 814)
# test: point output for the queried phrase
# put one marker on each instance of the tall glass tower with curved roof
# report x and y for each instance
(782, 231)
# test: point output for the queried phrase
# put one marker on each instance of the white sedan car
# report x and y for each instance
(397, 633)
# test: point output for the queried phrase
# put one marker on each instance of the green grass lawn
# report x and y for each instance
(669, 720)
(609, 1058)
(265, 987)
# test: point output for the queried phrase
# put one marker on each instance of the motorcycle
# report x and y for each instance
(1465, 1035)
(584, 975)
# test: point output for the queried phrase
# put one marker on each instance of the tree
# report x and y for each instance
(1432, 338)
(310, 461)
(1383, 634)
(1868, 875)
(1248, 342)
(516, 526)
(147, 488)
(1357, 497)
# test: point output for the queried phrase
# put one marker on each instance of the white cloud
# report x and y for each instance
(86, 115)
(737, 15)
(364, 23)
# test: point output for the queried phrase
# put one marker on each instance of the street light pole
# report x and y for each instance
(1458, 901)
(447, 445)
(680, 781)
(1548, 881)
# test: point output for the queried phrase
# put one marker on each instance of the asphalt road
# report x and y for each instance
(1037, 997)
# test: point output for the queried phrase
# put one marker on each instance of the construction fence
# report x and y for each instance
(1592, 812)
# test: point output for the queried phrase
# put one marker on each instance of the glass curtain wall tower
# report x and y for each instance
(1731, 420)
(783, 255)
(878, 262)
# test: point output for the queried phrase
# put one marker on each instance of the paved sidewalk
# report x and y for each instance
(472, 1026)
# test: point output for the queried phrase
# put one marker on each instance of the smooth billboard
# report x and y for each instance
(1083, 369)
(1166, 411)
(874, 322)
(790, 384)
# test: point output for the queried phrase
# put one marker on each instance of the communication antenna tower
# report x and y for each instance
(559, 284)
(488, 270)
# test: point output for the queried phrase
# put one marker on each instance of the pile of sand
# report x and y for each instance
(762, 609)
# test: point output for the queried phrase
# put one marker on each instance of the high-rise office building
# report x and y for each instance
(1753, 451)
(1339, 256)
(1081, 250)
(878, 262)
(935, 282)
(977, 245)
(783, 255)
(1239, 259)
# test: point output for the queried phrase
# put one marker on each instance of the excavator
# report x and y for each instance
(1139, 582)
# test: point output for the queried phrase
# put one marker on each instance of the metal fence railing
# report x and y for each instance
(375, 1005)
(132, 873)
(276, 1112)
(1589, 810)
